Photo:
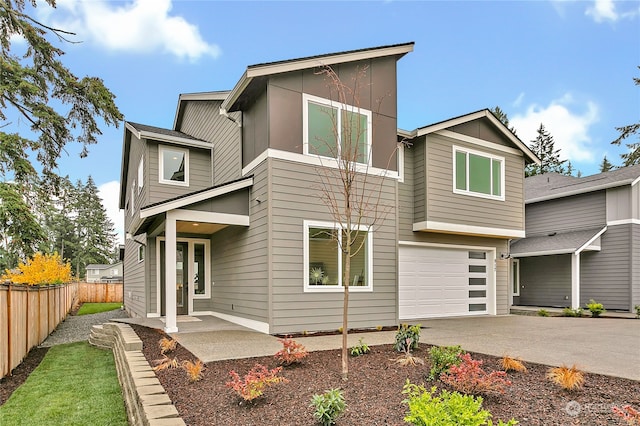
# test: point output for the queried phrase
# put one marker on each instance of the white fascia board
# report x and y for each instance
(210, 217)
(456, 228)
(480, 142)
(623, 222)
(591, 240)
(409, 134)
(579, 191)
(301, 64)
(544, 253)
(450, 123)
(201, 96)
(635, 182)
(201, 196)
(140, 134)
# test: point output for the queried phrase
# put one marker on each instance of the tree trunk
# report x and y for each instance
(345, 307)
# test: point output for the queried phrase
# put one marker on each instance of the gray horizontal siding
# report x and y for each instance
(240, 261)
(606, 275)
(295, 198)
(202, 120)
(564, 214)
(545, 281)
(635, 264)
(199, 174)
(444, 206)
(135, 300)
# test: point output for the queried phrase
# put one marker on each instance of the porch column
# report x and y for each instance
(575, 280)
(171, 325)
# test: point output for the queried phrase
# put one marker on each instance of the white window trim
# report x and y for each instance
(141, 248)
(482, 154)
(161, 149)
(517, 278)
(141, 175)
(306, 98)
(400, 157)
(207, 271)
(339, 288)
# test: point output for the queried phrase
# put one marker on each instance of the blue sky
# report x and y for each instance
(567, 64)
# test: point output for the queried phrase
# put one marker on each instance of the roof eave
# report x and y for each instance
(124, 165)
(199, 96)
(580, 191)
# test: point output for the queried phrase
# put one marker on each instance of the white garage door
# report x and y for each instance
(441, 282)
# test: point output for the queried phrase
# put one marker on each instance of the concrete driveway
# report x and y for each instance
(608, 346)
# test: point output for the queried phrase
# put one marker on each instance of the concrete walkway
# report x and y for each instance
(597, 345)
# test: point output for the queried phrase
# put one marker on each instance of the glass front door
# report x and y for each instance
(182, 277)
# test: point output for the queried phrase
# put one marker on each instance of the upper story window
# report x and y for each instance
(478, 174)
(174, 165)
(140, 174)
(332, 129)
(324, 261)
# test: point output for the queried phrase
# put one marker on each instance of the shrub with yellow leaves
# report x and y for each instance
(41, 269)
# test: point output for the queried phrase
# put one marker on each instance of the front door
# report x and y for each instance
(182, 277)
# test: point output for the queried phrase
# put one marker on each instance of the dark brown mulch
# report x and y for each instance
(10, 383)
(373, 391)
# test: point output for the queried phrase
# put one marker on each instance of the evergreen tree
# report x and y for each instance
(502, 116)
(633, 156)
(544, 147)
(605, 166)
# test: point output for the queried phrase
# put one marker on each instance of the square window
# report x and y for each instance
(478, 174)
(333, 130)
(174, 166)
(325, 261)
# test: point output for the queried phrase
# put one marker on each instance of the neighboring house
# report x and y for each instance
(583, 241)
(223, 212)
(97, 273)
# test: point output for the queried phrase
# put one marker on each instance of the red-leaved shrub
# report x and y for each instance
(629, 414)
(471, 379)
(253, 384)
(291, 351)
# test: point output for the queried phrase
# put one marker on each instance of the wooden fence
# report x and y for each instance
(28, 314)
(100, 292)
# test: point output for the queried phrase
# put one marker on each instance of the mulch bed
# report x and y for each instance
(11, 382)
(373, 391)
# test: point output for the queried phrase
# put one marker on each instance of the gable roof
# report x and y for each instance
(102, 266)
(483, 113)
(557, 243)
(550, 186)
(199, 96)
(254, 74)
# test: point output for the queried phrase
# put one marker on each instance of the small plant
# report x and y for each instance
(254, 383)
(291, 352)
(328, 406)
(569, 378)
(445, 409)
(470, 378)
(379, 327)
(443, 357)
(167, 345)
(543, 313)
(316, 275)
(595, 308)
(568, 312)
(637, 308)
(166, 363)
(629, 414)
(360, 349)
(512, 364)
(193, 369)
(405, 332)
(340, 329)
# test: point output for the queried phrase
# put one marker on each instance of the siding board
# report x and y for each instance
(546, 281)
(566, 214)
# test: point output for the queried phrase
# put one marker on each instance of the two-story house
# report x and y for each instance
(583, 241)
(98, 273)
(224, 214)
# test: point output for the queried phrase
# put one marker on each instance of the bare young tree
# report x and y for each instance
(349, 189)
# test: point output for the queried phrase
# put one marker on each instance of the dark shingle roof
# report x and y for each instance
(553, 185)
(565, 242)
(159, 130)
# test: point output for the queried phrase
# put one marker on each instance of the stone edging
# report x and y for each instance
(146, 401)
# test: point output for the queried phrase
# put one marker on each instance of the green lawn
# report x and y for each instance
(96, 308)
(76, 384)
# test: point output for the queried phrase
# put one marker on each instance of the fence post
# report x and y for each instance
(9, 327)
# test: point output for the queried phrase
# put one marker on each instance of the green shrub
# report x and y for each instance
(407, 337)
(360, 349)
(443, 357)
(543, 313)
(568, 312)
(637, 308)
(329, 406)
(448, 408)
(595, 308)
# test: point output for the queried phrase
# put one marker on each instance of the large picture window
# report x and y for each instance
(333, 130)
(478, 174)
(174, 165)
(325, 262)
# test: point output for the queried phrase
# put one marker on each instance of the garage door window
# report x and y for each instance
(325, 262)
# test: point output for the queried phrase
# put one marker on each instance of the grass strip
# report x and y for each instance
(96, 308)
(75, 384)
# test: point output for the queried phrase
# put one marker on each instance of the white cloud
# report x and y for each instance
(110, 194)
(603, 10)
(518, 101)
(143, 26)
(570, 129)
